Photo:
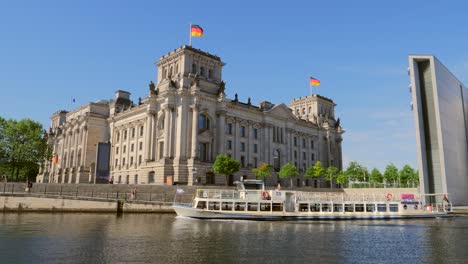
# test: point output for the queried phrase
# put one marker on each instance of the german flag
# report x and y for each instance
(197, 31)
(314, 82)
(55, 159)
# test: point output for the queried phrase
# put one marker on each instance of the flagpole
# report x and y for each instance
(190, 34)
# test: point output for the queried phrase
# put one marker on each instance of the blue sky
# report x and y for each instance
(51, 51)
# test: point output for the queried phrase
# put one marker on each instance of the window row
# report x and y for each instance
(131, 161)
(132, 133)
(243, 131)
(202, 71)
(132, 147)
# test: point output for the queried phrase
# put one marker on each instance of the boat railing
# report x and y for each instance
(343, 197)
(441, 207)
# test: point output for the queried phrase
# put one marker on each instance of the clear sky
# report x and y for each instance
(51, 51)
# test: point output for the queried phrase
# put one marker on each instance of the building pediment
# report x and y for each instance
(281, 110)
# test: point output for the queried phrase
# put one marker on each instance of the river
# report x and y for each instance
(164, 238)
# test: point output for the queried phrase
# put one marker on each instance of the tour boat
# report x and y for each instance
(250, 201)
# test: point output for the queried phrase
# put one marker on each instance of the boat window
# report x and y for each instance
(393, 207)
(239, 207)
(213, 205)
(326, 208)
(201, 205)
(265, 207)
(359, 208)
(349, 208)
(252, 207)
(315, 207)
(303, 207)
(337, 208)
(227, 206)
(277, 207)
(253, 186)
(382, 208)
(370, 208)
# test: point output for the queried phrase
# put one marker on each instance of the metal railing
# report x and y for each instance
(67, 191)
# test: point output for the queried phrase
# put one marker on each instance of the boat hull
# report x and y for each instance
(188, 211)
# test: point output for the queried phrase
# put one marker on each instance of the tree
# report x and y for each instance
(263, 171)
(341, 178)
(391, 173)
(288, 171)
(315, 171)
(376, 176)
(355, 172)
(406, 175)
(23, 147)
(332, 174)
(414, 179)
(225, 165)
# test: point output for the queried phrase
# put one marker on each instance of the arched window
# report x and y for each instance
(202, 71)
(164, 73)
(78, 162)
(170, 74)
(176, 68)
(203, 122)
(194, 68)
(310, 109)
(297, 111)
(276, 160)
(210, 73)
(303, 111)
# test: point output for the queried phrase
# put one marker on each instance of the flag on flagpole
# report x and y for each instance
(196, 31)
(73, 100)
(314, 82)
(55, 159)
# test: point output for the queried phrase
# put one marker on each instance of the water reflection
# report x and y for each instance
(100, 238)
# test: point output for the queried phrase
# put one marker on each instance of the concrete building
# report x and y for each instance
(440, 105)
(174, 134)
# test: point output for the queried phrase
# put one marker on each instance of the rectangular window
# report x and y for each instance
(229, 144)
(295, 154)
(124, 149)
(161, 150)
(117, 151)
(295, 141)
(133, 132)
(255, 148)
(359, 208)
(255, 162)
(140, 147)
(242, 146)
(312, 144)
(303, 143)
(139, 159)
(125, 135)
(382, 208)
(116, 162)
(118, 136)
(229, 129)
(131, 160)
(132, 147)
(242, 131)
(203, 151)
(337, 208)
(303, 155)
(141, 131)
(313, 156)
(242, 159)
(123, 162)
(255, 133)
(393, 207)
(370, 208)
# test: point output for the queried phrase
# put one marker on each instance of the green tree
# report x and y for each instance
(356, 172)
(23, 147)
(288, 171)
(414, 179)
(376, 176)
(407, 175)
(341, 178)
(391, 173)
(263, 171)
(315, 171)
(225, 165)
(332, 174)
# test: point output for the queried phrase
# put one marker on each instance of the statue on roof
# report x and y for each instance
(152, 87)
(249, 101)
(235, 98)
(195, 80)
(337, 124)
(221, 88)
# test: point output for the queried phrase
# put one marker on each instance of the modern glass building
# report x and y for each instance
(440, 105)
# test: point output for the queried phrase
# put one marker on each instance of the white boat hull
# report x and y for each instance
(188, 211)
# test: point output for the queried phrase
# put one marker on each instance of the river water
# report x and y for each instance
(164, 238)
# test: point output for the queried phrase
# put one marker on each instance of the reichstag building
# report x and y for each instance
(174, 134)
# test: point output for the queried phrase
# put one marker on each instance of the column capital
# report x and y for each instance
(195, 107)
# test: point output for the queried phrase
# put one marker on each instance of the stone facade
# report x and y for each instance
(174, 134)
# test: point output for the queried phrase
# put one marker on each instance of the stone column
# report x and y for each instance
(194, 141)
(148, 139)
(167, 131)
(236, 145)
(222, 132)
